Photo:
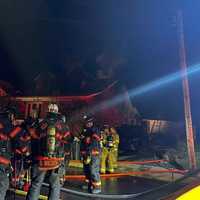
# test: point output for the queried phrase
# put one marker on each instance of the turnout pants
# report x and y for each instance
(4, 183)
(37, 180)
(91, 171)
(107, 160)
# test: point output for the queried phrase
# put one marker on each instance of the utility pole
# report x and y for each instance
(186, 93)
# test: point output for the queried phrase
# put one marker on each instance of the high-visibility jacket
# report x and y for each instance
(110, 140)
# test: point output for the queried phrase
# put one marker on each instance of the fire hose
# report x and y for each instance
(80, 177)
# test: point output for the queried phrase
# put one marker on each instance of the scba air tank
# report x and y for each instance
(51, 141)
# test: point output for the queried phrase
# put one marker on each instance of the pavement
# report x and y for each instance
(134, 188)
(138, 180)
(119, 187)
(114, 188)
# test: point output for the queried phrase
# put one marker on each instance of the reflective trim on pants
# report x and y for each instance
(96, 184)
(92, 169)
(103, 170)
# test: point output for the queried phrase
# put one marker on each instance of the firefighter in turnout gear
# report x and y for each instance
(90, 152)
(109, 142)
(8, 132)
(23, 161)
(48, 154)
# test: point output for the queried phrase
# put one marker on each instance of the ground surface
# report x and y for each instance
(110, 187)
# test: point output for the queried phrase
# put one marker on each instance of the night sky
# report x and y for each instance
(38, 35)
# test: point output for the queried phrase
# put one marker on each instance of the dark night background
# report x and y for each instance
(38, 36)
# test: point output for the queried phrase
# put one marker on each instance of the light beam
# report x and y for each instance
(156, 84)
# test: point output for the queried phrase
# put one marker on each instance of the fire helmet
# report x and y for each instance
(53, 108)
(88, 118)
(10, 110)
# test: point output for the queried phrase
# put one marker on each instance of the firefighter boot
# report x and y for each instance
(95, 188)
(96, 191)
(86, 185)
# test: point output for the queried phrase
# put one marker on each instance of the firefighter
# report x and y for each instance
(48, 154)
(21, 144)
(22, 161)
(7, 133)
(90, 152)
(110, 141)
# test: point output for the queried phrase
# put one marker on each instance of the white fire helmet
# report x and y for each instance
(53, 108)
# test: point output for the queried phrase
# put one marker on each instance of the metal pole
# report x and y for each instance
(186, 94)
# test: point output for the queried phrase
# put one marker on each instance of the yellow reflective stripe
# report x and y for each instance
(95, 152)
(96, 183)
(23, 193)
(111, 170)
(102, 170)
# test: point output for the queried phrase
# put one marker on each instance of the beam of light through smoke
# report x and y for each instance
(157, 84)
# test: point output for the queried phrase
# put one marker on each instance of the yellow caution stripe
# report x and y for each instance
(23, 193)
(193, 194)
